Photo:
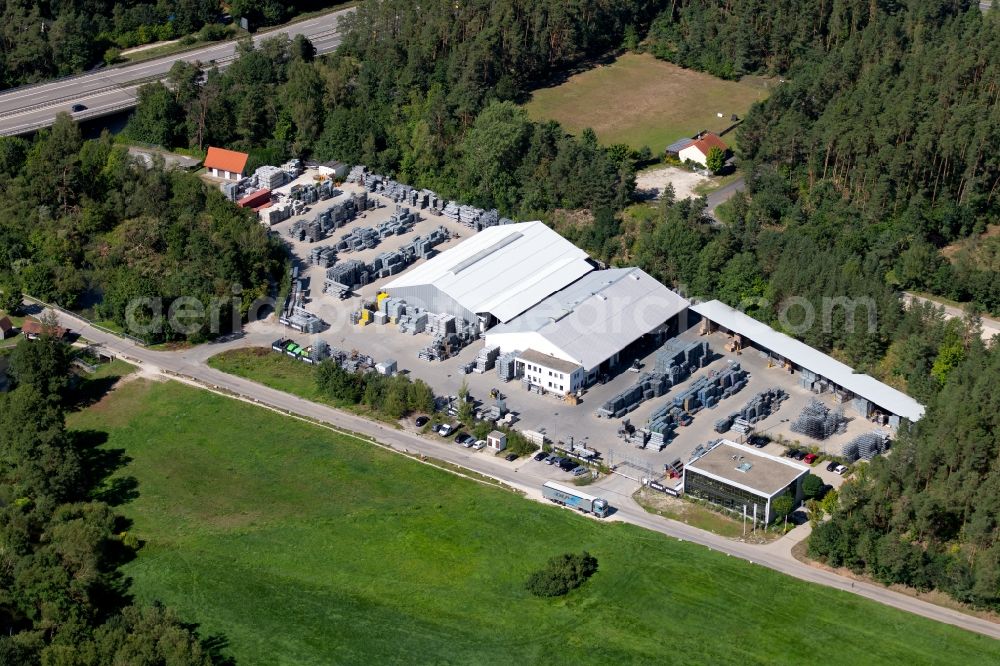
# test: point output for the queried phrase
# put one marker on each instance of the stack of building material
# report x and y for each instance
(649, 385)
(346, 276)
(357, 174)
(302, 320)
(292, 168)
(866, 446)
(819, 421)
(269, 177)
(440, 324)
(486, 359)
(323, 255)
(761, 405)
(688, 356)
(507, 366)
(451, 210)
(275, 214)
(413, 321)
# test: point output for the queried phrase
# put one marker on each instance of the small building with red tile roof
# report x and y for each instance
(32, 330)
(6, 328)
(226, 164)
(697, 151)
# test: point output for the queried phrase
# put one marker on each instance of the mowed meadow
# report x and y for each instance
(641, 101)
(301, 546)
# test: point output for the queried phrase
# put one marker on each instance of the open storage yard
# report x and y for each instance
(354, 554)
(641, 101)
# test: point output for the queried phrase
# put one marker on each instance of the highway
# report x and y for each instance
(190, 366)
(107, 91)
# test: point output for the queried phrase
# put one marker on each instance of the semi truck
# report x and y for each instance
(570, 497)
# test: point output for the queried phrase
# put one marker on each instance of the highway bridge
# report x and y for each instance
(29, 108)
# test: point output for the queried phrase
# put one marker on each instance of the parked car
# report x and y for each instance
(479, 445)
(566, 464)
(832, 466)
(758, 441)
(541, 455)
(511, 457)
(421, 421)
(791, 453)
(841, 469)
(445, 429)
(580, 471)
(468, 442)
(799, 455)
(552, 460)
(810, 458)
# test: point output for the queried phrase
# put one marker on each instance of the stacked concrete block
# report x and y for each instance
(346, 275)
(486, 359)
(507, 366)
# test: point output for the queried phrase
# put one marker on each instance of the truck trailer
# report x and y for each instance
(566, 496)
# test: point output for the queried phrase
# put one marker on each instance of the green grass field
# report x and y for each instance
(641, 101)
(269, 368)
(304, 547)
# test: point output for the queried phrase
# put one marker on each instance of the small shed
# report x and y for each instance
(35, 329)
(225, 164)
(6, 328)
(496, 441)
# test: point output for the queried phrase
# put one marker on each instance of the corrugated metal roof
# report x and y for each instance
(597, 316)
(502, 270)
(805, 356)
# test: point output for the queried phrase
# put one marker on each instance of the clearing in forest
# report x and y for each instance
(642, 101)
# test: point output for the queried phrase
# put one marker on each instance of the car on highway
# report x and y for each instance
(832, 466)
(445, 429)
(510, 457)
(421, 421)
(77, 108)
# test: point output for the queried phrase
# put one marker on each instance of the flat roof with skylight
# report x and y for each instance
(748, 468)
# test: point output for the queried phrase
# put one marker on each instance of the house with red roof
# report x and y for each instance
(697, 150)
(226, 164)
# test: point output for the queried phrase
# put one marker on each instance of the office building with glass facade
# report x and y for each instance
(739, 478)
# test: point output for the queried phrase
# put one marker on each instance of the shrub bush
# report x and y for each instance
(561, 574)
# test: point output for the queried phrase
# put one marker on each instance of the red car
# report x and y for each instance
(810, 458)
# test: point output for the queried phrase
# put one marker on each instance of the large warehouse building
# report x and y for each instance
(817, 371)
(584, 327)
(741, 478)
(495, 275)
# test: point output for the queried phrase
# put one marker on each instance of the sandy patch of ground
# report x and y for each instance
(651, 183)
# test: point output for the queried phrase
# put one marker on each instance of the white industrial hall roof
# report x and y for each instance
(592, 319)
(502, 270)
(805, 356)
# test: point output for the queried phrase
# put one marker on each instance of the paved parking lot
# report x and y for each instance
(558, 419)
